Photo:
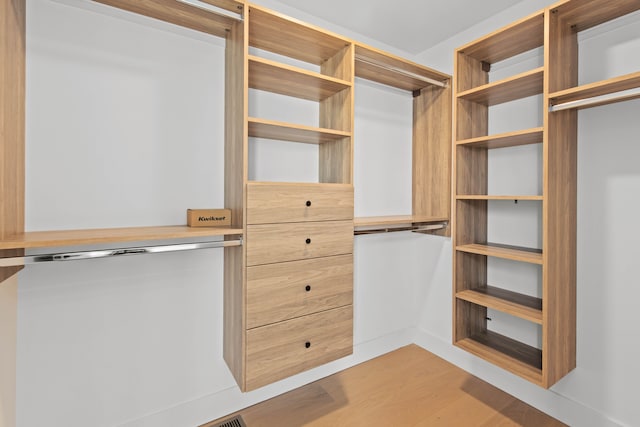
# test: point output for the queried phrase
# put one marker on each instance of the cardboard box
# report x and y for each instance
(208, 217)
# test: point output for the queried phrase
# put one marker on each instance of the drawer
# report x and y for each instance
(277, 292)
(283, 349)
(271, 243)
(269, 203)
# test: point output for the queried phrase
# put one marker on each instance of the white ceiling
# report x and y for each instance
(409, 25)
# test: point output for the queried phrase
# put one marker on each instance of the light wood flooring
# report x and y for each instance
(407, 387)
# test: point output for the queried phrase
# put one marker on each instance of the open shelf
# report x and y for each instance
(58, 238)
(520, 86)
(584, 14)
(184, 14)
(514, 253)
(519, 37)
(279, 78)
(592, 91)
(378, 66)
(512, 355)
(394, 220)
(286, 36)
(519, 305)
(271, 129)
(503, 140)
(502, 197)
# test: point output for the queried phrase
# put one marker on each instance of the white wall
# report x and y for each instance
(125, 128)
(601, 390)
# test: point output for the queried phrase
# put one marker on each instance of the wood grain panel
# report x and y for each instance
(520, 86)
(519, 37)
(12, 126)
(500, 197)
(372, 221)
(235, 168)
(269, 203)
(278, 292)
(523, 255)
(271, 129)
(286, 36)
(272, 243)
(292, 81)
(604, 87)
(178, 13)
(580, 15)
(559, 211)
(230, 5)
(277, 351)
(431, 192)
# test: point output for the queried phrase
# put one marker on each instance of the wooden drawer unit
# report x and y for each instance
(277, 292)
(283, 349)
(269, 203)
(271, 243)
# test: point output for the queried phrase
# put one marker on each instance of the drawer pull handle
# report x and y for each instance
(308, 203)
(308, 241)
(307, 288)
(307, 344)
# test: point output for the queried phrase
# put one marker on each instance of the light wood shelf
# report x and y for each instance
(498, 197)
(183, 14)
(286, 36)
(503, 140)
(60, 238)
(521, 36)
(532, 256)
(385, 68)
(523, 306)
(287, 80)
(394, 220)
(512, 355)
(520, 86)
(581, 15)
(593, 90)
(271, 129)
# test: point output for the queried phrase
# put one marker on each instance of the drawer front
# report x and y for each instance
(276, 203)
(271, 243)
(283, 349)
(277, 292)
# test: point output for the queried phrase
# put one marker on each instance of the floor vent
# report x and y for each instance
(231, 422)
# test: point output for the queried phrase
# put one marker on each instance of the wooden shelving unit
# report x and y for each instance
(555, 29)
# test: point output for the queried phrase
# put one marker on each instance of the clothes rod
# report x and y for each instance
(106, 253)
(593, 101)
(404, 72)
(415, 228)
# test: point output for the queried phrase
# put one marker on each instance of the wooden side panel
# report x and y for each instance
(336, 112)
(432, 153)
(559, 207)
(236, 88)
(469, 218)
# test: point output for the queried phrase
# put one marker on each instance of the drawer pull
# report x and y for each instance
(307, 344)
(308, 241)
(307, 288)
(308, 203)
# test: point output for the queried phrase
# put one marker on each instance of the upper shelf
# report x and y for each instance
(595, 94)
(394, 220)
(382, 67)
(184, 14)
(516, 87)
(286, 36)
(583, 14)
(503, 140)
(279, 78)
(271, 129)
(46, 239)
(519, 37)
(533, 256)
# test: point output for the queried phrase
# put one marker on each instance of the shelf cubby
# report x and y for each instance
(516, 87)
(504, 140)
(275, 77)
(514, 253)
(513, 303)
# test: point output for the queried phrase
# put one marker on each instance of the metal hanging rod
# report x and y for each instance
(415, 228)
(106, 253)
(593, 101)
(404, 72)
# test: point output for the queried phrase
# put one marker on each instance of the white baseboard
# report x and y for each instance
(219, 404)
(548, 401)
